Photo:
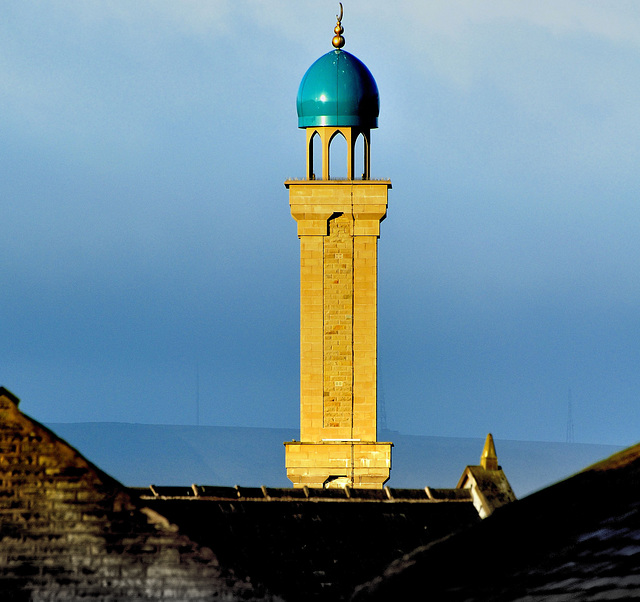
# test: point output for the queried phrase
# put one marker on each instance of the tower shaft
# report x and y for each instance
(338, 226)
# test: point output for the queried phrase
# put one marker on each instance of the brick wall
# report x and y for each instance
(338, 328)
(68, 531)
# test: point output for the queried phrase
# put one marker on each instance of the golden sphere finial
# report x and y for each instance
(338, 40)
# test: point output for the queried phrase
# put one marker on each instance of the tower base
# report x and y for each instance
(327, 464)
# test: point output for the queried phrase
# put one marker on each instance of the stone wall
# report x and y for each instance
(68, 531)
(338, 226)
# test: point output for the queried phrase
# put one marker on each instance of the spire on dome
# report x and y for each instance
(338, 40)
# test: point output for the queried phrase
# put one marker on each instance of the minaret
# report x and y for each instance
(338, 226)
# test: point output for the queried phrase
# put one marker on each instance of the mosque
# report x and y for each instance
(70, 531)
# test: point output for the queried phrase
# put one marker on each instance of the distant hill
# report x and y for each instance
(145, 454)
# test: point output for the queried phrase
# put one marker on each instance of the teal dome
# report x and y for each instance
(338, 90)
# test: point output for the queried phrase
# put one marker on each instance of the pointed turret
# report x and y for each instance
(489, 486)
(489, 458)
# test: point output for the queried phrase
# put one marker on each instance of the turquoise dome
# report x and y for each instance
(338, 90)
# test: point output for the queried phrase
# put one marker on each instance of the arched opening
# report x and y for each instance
(338, 157)
(359, 158)
(314, 157)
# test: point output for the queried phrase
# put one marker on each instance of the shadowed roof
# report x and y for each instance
(577, 540)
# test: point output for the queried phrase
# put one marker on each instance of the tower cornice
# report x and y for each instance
(314, 202)
(338, 182)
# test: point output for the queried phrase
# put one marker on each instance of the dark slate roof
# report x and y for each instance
(68, 531)
(309, 544)
(578, 540)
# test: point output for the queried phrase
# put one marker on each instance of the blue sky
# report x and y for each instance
(149, 260)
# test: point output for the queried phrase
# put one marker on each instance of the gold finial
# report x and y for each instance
(338, 40)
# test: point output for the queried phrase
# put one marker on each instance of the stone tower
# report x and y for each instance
(338, 226)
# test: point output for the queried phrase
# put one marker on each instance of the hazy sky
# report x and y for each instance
(149, 260)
